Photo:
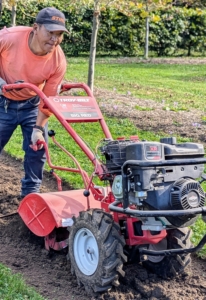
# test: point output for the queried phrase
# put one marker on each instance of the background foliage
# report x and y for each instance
(172, 30)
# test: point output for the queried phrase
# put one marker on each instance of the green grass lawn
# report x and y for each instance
(184, 84)
(13, 287)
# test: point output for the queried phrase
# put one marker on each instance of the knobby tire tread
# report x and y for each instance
(110, 244)
(173, 265)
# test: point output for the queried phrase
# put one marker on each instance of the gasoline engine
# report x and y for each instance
(155, 176)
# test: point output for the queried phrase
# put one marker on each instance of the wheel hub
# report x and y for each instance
(86, 251)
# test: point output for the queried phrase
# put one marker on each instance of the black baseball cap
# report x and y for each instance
(52, 19)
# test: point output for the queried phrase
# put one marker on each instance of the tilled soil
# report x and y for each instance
(49, 273)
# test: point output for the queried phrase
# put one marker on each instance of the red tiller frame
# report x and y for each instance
(79, 170)
(87, 110)
(42, 213)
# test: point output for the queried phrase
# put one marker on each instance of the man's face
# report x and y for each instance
(47, 40)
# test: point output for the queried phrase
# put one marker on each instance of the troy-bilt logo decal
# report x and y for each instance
(71, 100)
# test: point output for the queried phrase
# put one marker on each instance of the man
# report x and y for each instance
(34, 56)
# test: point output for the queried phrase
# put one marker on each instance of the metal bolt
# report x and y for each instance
(90, 251)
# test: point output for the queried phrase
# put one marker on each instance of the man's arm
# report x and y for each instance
(38, 131)
(41, 119)
(50, 89)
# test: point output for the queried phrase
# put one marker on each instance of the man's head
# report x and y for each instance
(48, 31)
(52, 19)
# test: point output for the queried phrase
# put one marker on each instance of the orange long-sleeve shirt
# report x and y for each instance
(18, 62)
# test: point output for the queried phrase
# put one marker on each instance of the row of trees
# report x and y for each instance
(133, 18)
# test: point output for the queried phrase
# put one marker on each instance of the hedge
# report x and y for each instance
(178, 29)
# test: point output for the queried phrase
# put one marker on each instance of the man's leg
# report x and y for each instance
(33, 160)
(8, 122)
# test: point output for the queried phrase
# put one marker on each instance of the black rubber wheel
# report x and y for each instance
(96, 251)
(173, 265)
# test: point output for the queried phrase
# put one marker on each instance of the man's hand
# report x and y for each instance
(2, 82)
(37, 135)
